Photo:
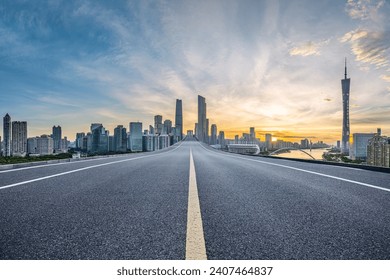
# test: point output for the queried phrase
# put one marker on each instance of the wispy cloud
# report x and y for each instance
(308, 48)
(369, 46)
(364, 9)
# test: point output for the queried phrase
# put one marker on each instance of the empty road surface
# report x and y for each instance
(192, 202)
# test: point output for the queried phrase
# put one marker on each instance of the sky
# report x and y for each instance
(274, 65)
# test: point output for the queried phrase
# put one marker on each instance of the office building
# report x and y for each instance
(158, 126)
(202, 120)
(19, 138)
(179, 119)
(167, 127)
(221, 139)
(79, 140)
(7, 129)
(100, 137)
(268, 141)
(378, 151)
(358, 149)
(57, 136)
(252, 135)
(120, 139)
(136, 136)
(345, 86)
(213, 138)
(305, 144)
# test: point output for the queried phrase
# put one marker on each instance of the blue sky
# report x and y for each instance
(275, 65)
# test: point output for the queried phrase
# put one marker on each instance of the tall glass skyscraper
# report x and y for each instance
(202, 120)
(179, 119)
(345, 85)
(7, 135)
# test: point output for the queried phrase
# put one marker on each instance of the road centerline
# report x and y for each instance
(195, 243)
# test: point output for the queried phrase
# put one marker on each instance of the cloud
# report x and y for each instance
(386, 78)
(371, 47)
(308, 48)
(363, 9)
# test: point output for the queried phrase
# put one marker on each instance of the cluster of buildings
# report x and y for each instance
(162, 135)
(210, 135)
(17, 144)
(97, 141)
(372, 148)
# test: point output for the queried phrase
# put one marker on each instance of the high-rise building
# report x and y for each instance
(378, 151)
(221, 139)
(202, 120)
(19, 138)
(305, 144)
(345, 85)
(136, 136)
(57, 136)
(151, 129)
(179, 119)
(268, 141)
(79, 140)
(196, 129)
(100, 138)
(252, 134)
(207, 140)
(213, 138)
(120, 139)
(359, 145)
(158, 126)
(167, 127)
(7, 129)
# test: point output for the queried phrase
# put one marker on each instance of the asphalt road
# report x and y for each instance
(136, 206)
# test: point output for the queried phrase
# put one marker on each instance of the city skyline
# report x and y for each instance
(257, 64)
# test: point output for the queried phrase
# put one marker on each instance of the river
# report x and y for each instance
(316, 153)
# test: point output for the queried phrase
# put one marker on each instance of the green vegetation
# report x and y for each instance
(339, 158)
(13, 160)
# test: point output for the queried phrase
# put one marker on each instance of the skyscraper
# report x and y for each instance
(136, 136)
(158, 126)
(167, 127)
(252, 134)
(179, 119)
(57, 136)
(345, 85)
(268, 141)
(120, 139)
(7, 135)
(202, 120)
(213, 139)
(19, 138)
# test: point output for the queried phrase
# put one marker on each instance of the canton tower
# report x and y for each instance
(345, 84)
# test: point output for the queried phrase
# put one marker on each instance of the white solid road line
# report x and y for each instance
(195, 244)
(302, 170)
(62, 163)
(81, 169)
